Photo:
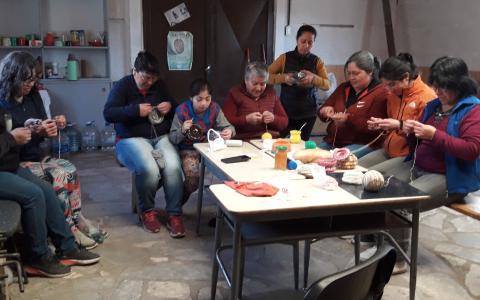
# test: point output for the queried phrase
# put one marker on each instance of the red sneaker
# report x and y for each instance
(175, 226)
(150, 221)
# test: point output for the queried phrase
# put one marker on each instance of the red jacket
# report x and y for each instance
(239, 104)
(372, 103)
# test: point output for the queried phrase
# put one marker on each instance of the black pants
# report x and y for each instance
(295, 124)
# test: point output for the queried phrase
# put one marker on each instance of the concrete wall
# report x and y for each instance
(433, 28)
(333, 44)
(426, 28)
(125, 24)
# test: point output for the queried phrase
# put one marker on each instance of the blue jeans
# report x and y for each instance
(351, 147)
(136, 155)
(41, 213)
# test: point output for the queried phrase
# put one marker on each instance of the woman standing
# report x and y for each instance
(352, 104)
(299, 72)
(23, 102)
(409, 95)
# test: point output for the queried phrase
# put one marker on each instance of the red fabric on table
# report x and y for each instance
(253, 189)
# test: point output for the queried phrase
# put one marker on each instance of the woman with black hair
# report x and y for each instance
(407, 99)
(20, 97)
(445, 143)
(201, 113)
(352, 104)
(299, 72)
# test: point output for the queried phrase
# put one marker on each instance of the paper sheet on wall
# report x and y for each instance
(179, 50)
(177, 14)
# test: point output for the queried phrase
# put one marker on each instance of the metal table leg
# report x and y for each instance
(201, 181)
(237, 259)
(414, 252)
(356, 238)
(217, 244)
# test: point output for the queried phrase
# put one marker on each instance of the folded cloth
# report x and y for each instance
(253, 189)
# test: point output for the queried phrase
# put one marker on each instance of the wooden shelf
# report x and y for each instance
(76, 48)
(20, 47)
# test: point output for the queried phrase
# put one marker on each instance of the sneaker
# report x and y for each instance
(78, 257)
(368, 240)
(175, 226)
(100, 236)
(399, 268)
(150, 221)
(47, 266)
(83, 241)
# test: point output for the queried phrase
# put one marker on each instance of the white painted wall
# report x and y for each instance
(433, 28)
(125, 24)
(426, 28)
(333, 45)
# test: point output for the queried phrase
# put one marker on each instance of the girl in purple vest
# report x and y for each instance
(193, 118)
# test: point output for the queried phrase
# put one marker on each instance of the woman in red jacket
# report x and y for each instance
(253, 107)
(354, 102)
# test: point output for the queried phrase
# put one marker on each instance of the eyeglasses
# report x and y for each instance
(30, 81)
(147, 77)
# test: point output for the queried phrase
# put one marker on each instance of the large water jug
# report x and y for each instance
(108, 137)
(74, 137)
(90, 137)
(60, 144)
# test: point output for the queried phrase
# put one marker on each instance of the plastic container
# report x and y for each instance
(74, 137)
(90, 137)
(60, 144)
(107, 138)
(281, 158)
(295, 136)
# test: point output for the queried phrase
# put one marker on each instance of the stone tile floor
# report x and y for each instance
(139, 265)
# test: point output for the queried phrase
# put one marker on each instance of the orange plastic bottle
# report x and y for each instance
(281, 158)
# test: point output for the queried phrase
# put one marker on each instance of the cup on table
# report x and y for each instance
(295, 136)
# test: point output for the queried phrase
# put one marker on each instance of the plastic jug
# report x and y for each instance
(108, 136)
(90, 137)
(74, 137)
(60, 144)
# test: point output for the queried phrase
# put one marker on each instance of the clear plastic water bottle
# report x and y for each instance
(108, 137)
(90, 137)
(60, 144)
(74, 137)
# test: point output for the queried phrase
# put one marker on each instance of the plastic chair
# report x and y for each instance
(10, 217)
(363, 281)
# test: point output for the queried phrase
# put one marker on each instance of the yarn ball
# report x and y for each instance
(373, 181)
(349, 163)
(292, 165)
(310, 145)
(266, 136)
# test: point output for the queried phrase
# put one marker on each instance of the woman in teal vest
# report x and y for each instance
(299, 72)
(445, 144)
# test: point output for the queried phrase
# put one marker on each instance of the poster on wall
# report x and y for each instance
(177, 14)
(179, 50)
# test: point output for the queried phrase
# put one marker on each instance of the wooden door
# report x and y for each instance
(222, 31)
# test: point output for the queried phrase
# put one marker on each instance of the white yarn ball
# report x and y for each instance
(373, 181)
